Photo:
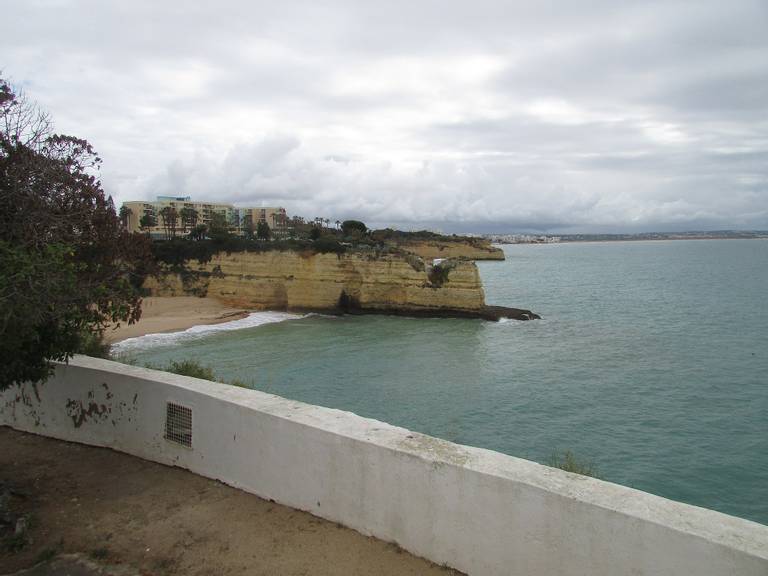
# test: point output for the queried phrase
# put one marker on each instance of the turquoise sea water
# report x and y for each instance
(651, 361)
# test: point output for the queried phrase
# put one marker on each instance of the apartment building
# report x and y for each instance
(238, 219)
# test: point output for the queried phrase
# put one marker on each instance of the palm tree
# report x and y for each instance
(188, 219)
(170, 217)
(125, 215)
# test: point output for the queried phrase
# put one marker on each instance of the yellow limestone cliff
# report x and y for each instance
(292, 280)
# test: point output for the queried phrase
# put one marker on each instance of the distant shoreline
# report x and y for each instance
(610, 240)
(596, 241)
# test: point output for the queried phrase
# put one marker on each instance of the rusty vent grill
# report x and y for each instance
(178, 424)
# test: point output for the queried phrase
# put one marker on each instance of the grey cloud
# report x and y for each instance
(495, 114)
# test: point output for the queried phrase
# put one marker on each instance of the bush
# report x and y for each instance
(567, 461)
(93, 344)
(191, 368)
(438, 275)
(327, 244)
(194, 369)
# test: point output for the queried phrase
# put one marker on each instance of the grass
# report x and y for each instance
(570, 463)
(195, 369)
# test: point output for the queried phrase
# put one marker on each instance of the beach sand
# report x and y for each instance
(174, 314)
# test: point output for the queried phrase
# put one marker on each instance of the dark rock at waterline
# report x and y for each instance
(496, 313)
(492, 313)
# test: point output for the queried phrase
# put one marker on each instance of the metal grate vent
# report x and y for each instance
(178, 424)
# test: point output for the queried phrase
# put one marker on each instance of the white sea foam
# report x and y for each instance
(171, 338)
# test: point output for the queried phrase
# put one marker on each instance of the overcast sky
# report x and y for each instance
(484, 116)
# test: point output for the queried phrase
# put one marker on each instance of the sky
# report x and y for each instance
(482, 116)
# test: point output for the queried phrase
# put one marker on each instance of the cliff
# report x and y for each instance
(301, 281)
(350, 282)
(466, 248)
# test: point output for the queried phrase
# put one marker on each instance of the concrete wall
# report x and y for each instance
(476, 510)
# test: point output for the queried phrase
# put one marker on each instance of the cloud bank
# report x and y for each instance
(486, 116)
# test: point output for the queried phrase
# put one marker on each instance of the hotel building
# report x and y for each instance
(238, 219)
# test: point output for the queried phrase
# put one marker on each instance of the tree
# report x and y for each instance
(147, 221)
(67, 266)
(248, 228)
(315, 233)
(353, 228)
(170, 218)
(188, 219)
(218, 229)
(262, 230)
(125, 216)
(199, 232)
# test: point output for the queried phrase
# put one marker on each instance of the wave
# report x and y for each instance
(196, 332)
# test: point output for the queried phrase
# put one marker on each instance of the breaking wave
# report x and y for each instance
(172, 338)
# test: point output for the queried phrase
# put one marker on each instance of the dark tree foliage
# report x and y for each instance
(189, 218)
(198, 232)
(387, 234)
(170, 218)
(219, 228)
(262, 230)
(125, 215)
(147, 221)
(68, 268)
(177, 252)
(352, 227)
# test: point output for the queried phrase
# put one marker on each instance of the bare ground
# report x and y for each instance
(121, 510)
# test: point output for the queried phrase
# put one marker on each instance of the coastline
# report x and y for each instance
(168, 314)
(174, 314)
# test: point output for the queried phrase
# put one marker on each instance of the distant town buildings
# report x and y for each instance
(184, 215)
(521, 239)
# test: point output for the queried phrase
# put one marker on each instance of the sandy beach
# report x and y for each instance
(174, 314)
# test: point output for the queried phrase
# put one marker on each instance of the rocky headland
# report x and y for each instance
(355, 281)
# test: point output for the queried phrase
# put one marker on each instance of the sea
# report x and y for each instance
(650, 362)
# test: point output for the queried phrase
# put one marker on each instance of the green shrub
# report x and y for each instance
(567, 461)
(191, 368)
(194, 369)
(93, 344)
(438, 275)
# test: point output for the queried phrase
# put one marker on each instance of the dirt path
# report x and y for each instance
(120, 509)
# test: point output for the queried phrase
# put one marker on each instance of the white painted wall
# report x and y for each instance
(476, 510)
